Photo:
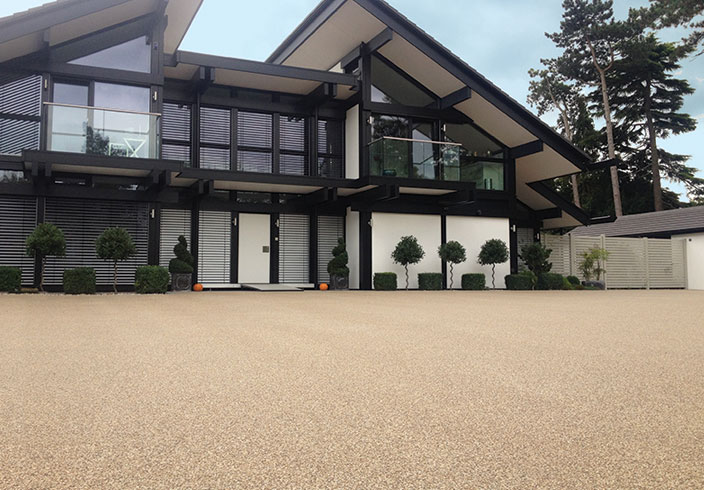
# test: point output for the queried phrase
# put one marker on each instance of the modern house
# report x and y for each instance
(359, 125)
(685, 223)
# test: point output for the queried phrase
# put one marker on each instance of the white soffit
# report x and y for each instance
(340, 34)
(495, 121)
(20, 47)
(181, 71)
(531, 198)
(264, 82)
(260, 187)
(547, 164)
(424, 192)
(180, 13)
(426, 71)
(566, 221)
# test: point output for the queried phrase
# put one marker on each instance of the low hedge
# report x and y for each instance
(385, 281)
(79, 281)
(430, 281)
(151, 279)
(574, 280)
(10, 279)
(550, 282)
(519, 282)
(474, 282)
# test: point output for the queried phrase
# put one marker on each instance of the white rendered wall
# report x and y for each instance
(695, 260)
(387, 230)
(352, 143)
(352, 242)
(472, 232)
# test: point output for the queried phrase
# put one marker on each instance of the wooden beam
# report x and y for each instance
(457, 97)
(526, 149)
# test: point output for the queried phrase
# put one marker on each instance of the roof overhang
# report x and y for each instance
(237, 72)
(56, 23)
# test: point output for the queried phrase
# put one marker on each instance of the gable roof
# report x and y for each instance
(661, 223)
(336, 27)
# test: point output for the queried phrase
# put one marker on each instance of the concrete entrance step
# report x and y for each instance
(276, 287)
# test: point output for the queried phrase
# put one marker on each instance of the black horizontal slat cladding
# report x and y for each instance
(18, 217)
(293, 133)
(294, 248)
(254, 130)
(82, 223)
(176, 122)
(16, 135)
(20, 97)
(174, 223)
(330, 148)
(215, 132)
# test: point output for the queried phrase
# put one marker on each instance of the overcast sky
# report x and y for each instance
(501, 39)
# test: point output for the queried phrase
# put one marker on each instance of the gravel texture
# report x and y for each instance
(353, 390)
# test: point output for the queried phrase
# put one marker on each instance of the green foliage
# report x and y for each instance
(453, 253)
(385, 281)
(493, 252)
(10, 279)
(115, 244)
(46, 241)
(679, 13)
(536, 257)
(519, 282)
(151, 279)
(183, 263)
(592, 264)
(430, 281)
(550, 282)
(474, 282)
(338, 265)
(79, 281)
(574, 280)
(408, 252)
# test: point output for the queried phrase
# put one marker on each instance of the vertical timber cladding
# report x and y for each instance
(82, 222)
(294, 249)
(18, 217)
(330, 229)
(214, 247)
(174, 223)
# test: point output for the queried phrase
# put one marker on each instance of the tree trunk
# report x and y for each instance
(615, 186)
(452, 278)
(654, 154)
(406, 267)
(575, 191)
(570, 136)
(493, 276)
(114, 277)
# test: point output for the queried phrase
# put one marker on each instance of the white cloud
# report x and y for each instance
(700, 116)
(700, 79)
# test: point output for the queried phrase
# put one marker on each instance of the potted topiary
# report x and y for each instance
(46, 240)
(408, 252)
(493, 252)
(592, 266)
(452, 253)
(181, 267)
(115, 244)
(337, 267)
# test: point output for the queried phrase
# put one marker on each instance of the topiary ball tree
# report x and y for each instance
(452, 253)
(408, 252)
(536, 257)
(45, 241)
(493, 252)
(338, 265)
(183, 263)
(115, 244)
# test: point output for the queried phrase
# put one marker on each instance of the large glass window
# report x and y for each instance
(391, 86)
(330, 148)
(481, 159)
(134, 55)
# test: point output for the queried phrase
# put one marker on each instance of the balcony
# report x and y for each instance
(434, 160)
(106, 132)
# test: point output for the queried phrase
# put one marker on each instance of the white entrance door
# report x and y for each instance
(254, 248)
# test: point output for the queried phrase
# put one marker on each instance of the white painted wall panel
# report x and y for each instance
(472, 232)
(695, 260)
(387, 230)
(352, 143)
(352, 232)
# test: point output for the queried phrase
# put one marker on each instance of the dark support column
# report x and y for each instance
(313, 264)
(195, 226)
(234, 247)
(365, 251)
(154, 233)
(41, 209)
(276, 133)
(443, 241)
(513, 246)
(274, 250)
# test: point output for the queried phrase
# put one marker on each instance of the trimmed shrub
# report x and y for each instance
(474, 282)
(385, 281)
(550, 282)
(183, 263)
(10, 279)
(519, 282)
(79, 281)
(574, 280)
(151, 279)
(430, 281)
(567, 285)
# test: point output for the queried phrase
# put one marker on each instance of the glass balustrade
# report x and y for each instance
(96, 131)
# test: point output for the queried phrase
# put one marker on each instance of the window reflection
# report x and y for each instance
(134, 55)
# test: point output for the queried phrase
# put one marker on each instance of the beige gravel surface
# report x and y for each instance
(353, 390)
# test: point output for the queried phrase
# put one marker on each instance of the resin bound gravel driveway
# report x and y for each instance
(353, 390)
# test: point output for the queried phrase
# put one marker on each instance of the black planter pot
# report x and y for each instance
(339, 282)
(595, 284)
(181, 282)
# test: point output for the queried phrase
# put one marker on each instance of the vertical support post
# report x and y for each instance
(234, 247)
(154, 233)
(274, 248)
(365, 250)
(276, 141)
(513, 246)
(602, 238)
(313, 240)
(685, 249)
(443, 241)
(647, 263)
(41, 210)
